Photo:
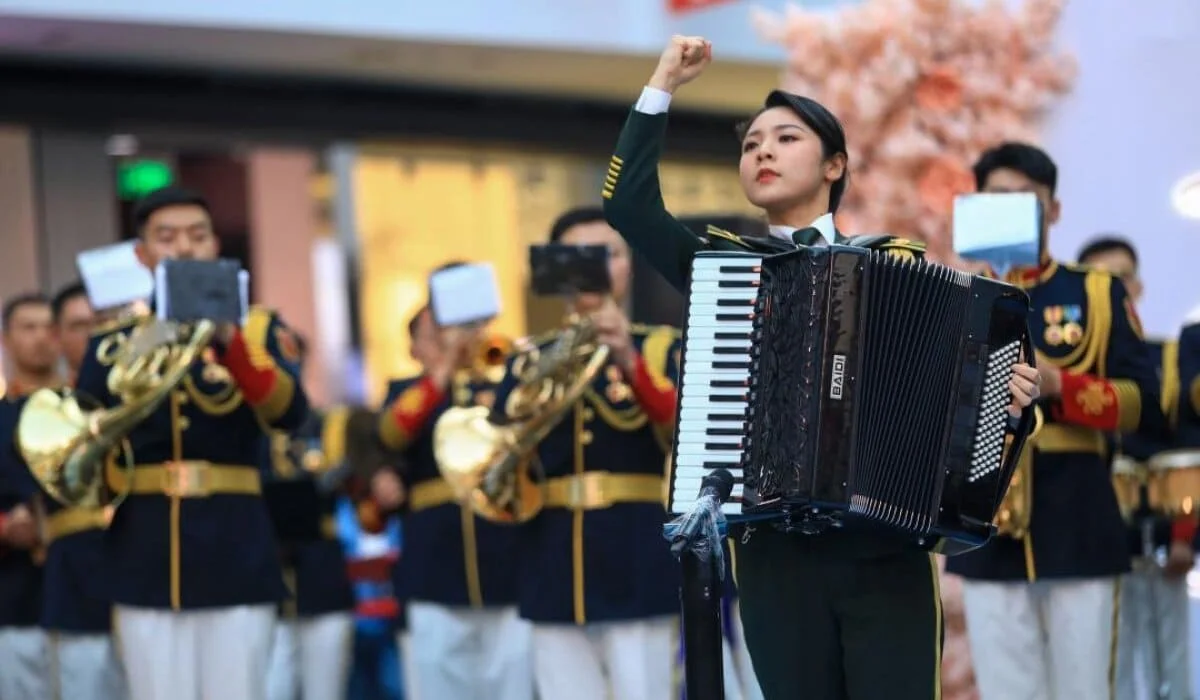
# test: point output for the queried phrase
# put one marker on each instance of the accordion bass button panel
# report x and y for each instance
(714, 393)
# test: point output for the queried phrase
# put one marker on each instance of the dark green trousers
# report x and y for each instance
(840, 616)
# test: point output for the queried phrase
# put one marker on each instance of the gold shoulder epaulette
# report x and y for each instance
(718, 232)
(1083, 269)
(903, 244)
(647, 329)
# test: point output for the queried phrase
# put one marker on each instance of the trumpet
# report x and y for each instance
(489, 357)
(489, 465)
(65, 446)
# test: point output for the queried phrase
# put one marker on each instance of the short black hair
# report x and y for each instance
(572, 218)
(21, 300)
(162, 198)
(63, 296)
(1029, 160)
(1107, 243)
(823, 123)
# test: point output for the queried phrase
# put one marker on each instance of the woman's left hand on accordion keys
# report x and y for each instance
(1024, 387)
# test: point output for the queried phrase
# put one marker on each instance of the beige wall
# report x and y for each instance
(77, 201)
(18, 217)
(284, 221)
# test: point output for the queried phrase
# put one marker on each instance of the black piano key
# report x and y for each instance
(737, 284)
(738, 268)
(730, 349)
(726, 417)
(731, 365)
(728, 383)
(736, 302)
(726, 335)
(742, 398)
(723, 431)
(734, 317)
(734, 446)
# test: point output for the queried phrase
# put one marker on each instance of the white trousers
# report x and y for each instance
(628, 660)
(1048, 640)
(408, 667)
(1148, 601)
(24, 664)
(468, 654)
(310, 657)
(87, 667)
(217, 654)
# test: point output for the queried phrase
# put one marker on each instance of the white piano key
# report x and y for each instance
(698, 448)
(717, 275)
(690, 426)
(702, 414)
(698, 460)
(711, 406)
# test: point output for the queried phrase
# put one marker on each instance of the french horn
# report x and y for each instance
(65, 445)
(488, 459)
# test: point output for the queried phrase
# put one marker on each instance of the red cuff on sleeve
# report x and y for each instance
(1088, 401)
(412, 408)
(1183, 530)
(657, 402)
(256, 383)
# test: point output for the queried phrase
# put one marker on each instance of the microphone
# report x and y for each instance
(719, 484)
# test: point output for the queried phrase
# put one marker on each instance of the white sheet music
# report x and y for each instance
(464, 294)
(113, 276)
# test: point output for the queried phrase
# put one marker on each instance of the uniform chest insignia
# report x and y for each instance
(617, 390)
(288, 347)
(1063, 325)
(1094, 399)
(216, 373)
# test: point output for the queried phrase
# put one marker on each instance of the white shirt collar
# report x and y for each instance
(824, 224)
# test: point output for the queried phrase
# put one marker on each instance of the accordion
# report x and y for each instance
(840, 383)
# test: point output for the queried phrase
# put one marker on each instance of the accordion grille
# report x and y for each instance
(990, 430)
(910, 330)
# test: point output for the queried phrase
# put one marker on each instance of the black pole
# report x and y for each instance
(703, 656)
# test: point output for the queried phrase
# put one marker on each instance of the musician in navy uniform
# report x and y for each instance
(190, 553)
(1153, 626)
(314, 635)
(1040, 605)
(457, 572)
(848, 613)
(1188, 405)
(77, 603)
(596, 577)
(26, 673)
(27, 326)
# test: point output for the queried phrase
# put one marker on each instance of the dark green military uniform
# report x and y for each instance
(844, 614)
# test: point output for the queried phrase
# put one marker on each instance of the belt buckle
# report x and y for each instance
(185, 480)
(586, 491)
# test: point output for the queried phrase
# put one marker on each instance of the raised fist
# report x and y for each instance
(681, 62)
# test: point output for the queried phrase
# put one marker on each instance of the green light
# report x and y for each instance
(140, 177)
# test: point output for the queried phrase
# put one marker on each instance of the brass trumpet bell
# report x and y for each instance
(51, 430)
(466, 439)
(490, 465)
(66, 446)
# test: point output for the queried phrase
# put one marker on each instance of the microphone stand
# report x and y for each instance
(696, 540)
(703, 652)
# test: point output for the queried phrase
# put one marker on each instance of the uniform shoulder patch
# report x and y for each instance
(289, 345)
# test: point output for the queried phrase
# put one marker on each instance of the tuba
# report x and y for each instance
(65, 445)
(489, 464)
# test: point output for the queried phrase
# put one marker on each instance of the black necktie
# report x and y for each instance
(806, 236)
